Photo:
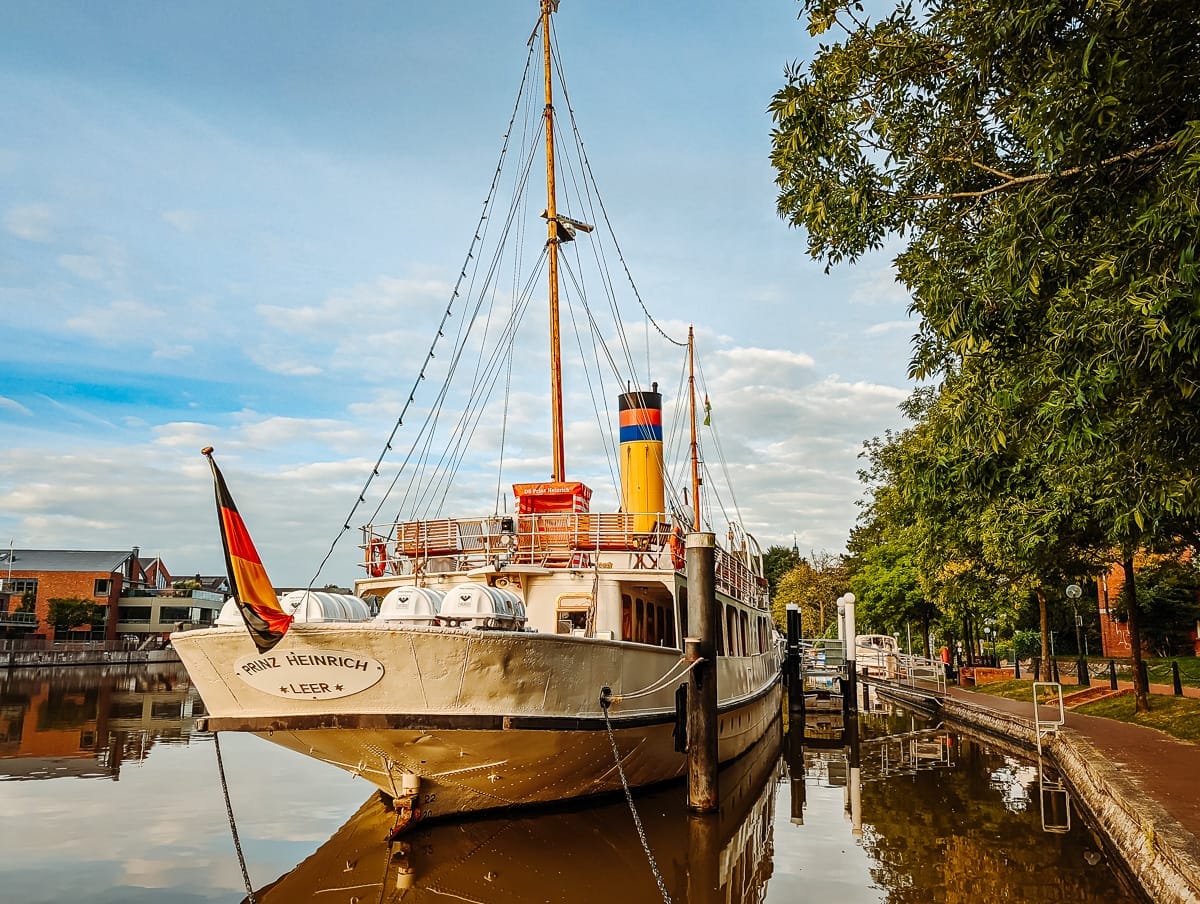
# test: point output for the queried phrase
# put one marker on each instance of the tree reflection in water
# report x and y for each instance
(964, 825)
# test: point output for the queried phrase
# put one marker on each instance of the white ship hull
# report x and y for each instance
(485, 719)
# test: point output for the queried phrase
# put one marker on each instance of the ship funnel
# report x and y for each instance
(642, 457)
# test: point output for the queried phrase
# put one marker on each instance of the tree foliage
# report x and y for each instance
(778, 561)
(70, 613)
(814, 587)
(1041, 161)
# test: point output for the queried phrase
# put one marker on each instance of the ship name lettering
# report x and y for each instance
(260, 665)
(345, 662)
(316, 687)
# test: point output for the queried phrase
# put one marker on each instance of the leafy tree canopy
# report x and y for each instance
(74, 613)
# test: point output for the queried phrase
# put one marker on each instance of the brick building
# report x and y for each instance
(41, 575)
(1114, 631)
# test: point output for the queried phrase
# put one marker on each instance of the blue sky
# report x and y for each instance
(237, 224)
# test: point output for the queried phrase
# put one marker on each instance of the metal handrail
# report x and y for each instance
(567, 540)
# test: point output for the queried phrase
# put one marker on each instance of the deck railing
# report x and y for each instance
(567, 540)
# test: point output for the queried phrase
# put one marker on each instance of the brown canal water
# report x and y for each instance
(107, 795)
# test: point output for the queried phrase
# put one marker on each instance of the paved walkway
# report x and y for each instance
(1165, 769)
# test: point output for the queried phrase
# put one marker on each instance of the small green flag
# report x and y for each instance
(707, 411)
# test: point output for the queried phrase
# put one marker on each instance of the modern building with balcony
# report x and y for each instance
(137, 599)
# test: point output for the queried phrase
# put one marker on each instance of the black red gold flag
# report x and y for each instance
(248, 580)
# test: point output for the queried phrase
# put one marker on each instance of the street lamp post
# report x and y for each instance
(988, 636)
(1074, 592)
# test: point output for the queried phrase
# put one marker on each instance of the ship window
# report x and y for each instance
(745, 634)
(731, 630)
(639, 622)
(626, 617)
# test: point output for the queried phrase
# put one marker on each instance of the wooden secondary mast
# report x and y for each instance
(695, 448)
(552, 232)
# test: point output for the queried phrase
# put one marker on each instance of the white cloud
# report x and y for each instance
(105, 262)
(171, 352)
(118, 322)
(890, 326)
(8, 404)
(878, 285)
(382, 305)
(31, 222)
(184, 221)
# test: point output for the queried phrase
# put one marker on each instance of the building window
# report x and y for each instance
(134, 614)
(103, 587)
(22, 585)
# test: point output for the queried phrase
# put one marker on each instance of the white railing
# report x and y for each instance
(920, 673)
(649, 541)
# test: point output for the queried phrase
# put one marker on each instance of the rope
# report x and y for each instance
(657, 685)
(637, 820)
(232, 825)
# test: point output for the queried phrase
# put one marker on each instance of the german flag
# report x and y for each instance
(248, 580)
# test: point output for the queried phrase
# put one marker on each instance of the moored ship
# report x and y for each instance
(468, 670)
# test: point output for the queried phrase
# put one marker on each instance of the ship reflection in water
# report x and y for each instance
(88, 722)
(559, 856)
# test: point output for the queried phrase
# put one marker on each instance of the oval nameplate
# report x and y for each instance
(307, 674)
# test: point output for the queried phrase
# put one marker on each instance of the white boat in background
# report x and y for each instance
(477, 683)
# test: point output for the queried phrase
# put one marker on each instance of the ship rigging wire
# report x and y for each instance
(425, 480)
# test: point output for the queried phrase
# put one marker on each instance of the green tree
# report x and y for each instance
(70, 613)
(1041, 161)
(814, 587)
(778, 561)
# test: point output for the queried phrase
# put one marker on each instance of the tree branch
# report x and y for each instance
(1011, 181)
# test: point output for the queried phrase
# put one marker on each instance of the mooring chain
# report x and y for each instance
(232, 825)
(637, 820)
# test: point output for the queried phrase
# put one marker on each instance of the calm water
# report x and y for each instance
(106, 795)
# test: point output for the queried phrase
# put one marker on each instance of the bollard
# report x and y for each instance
(850, 691)
(866, 694)
(1016, 665)
(1112, 674)
(1175, 679)
(1081, 673)
(703, 796)
(794, 668)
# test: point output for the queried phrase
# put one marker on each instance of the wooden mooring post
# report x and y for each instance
(794, 672)
(703, 796)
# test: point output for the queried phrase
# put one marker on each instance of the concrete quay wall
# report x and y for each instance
(34, 659)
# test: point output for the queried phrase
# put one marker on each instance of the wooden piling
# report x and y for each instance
(794, 670)
(703, 796)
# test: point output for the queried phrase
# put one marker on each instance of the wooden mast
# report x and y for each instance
(556, 405)
(695, 443)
